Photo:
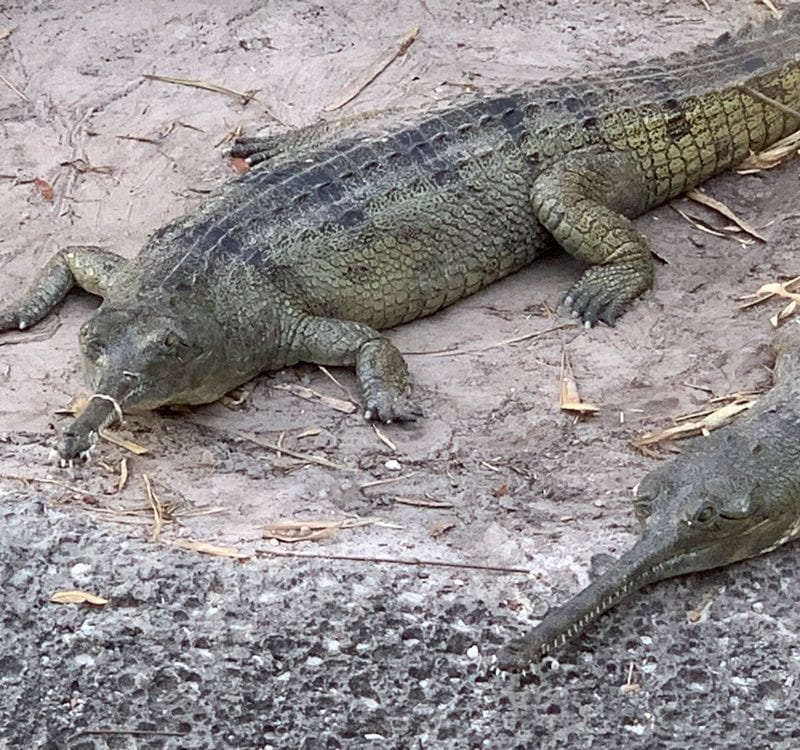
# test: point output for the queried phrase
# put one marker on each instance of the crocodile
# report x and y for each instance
(733, 495)
(308, 256)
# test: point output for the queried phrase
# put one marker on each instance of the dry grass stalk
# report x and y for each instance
(205, 548)
(158, 509)
(292, 531)
(337, 404)
(244, 97)
(383, 438)
(416, 563)
(356, 85)
(10, 85)
(721, 208)
(422, 503)
(379, 482)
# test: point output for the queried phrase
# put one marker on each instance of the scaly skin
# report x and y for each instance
(310, 254)
(734, 495)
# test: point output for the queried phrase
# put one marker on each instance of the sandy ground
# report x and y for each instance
(198, 651)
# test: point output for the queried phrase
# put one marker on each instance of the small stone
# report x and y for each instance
(79, 570)
(473, 652)
(393, 465)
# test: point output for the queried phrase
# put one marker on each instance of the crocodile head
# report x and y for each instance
(146, 358)
(725, 502)
(141, 358)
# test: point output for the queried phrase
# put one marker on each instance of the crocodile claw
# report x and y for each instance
(388, 408)
(603, 292)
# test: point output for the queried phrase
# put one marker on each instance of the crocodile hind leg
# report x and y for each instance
(585, 201)
(382, 372)
(88, 267)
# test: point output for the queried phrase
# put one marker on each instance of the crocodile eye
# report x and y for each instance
(705, 514)
(171, 340)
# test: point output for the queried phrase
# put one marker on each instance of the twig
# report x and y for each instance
(383, 438)
(42, 480)
(158, 509)
(252, 438)
(767, 100)
(355, 86)
(379, 482)
(422, 503)
(394, 561)
(245, 97)
(505, 342)
(10, 85)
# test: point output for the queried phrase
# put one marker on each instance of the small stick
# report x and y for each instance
(245, 97)
(505, 342)
(767, 100)
(355, 86)
(10, 85)
(379, 482)
(395, 561)
(71, 488)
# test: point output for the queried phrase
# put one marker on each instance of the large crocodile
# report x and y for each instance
(308, 258)
(735, 494)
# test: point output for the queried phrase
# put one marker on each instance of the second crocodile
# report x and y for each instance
(308, 257)
(734, 495)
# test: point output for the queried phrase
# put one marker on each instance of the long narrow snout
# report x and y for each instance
(104, 408)
(647, 561)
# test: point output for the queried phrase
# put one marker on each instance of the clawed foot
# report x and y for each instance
(603, 292)
(13, 321)
(73, 447)
(254, 150)
(387, 407)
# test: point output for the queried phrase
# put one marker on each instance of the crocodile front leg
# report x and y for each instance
(382, 372)
(584, 201)
(91, 268)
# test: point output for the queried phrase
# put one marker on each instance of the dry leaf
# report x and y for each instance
(442, 527)
(44, 188)
(501, 490)
(775, 289)
(5, 33)
(122, 442)
(774, 156)
(721, 208)
(690, 428)
(568, 396)
(75, 596)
